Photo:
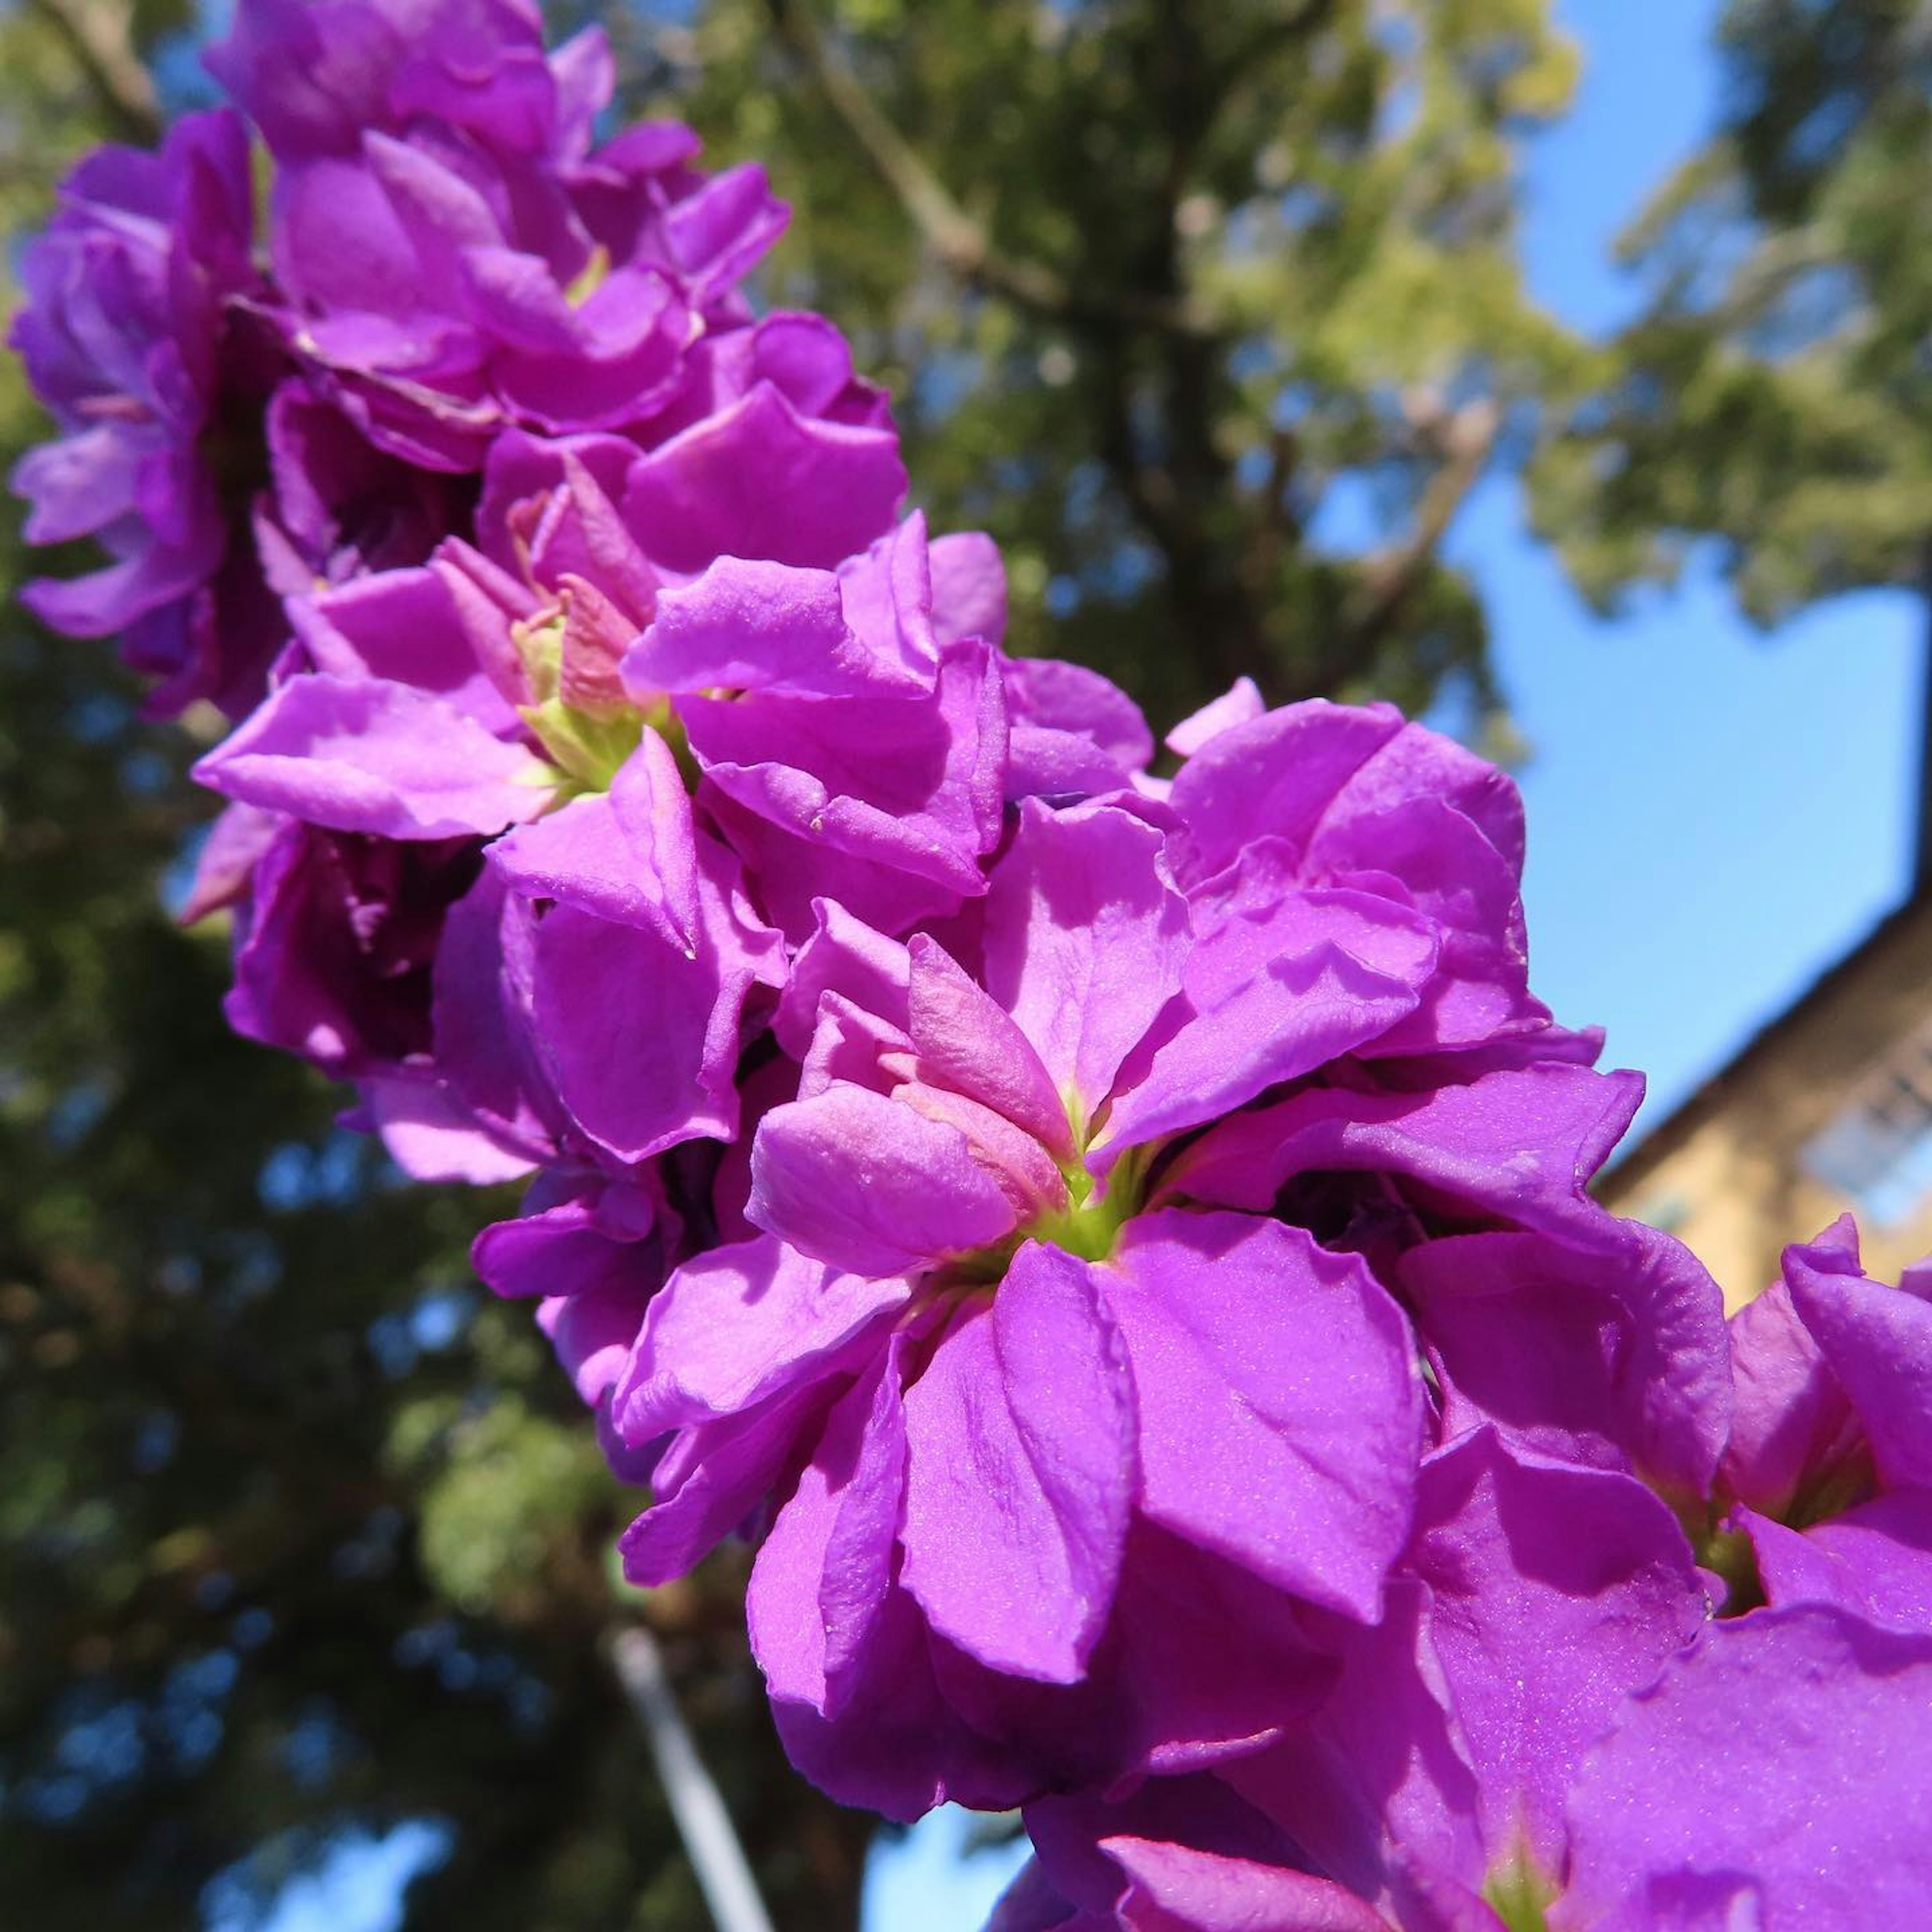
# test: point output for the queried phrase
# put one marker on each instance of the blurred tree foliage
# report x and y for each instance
(1775, 392)
(300, 1535)
(1212, 316)
(299, 1532)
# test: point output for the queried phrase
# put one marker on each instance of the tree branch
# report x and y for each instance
(1271, 36)
(1211, 609)
(960, 243)
(100, 34)
(696, 1805)
(1464, 439)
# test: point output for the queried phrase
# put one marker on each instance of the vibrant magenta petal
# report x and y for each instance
(1521, 1145)
(1377, 1789)
(886, 592)
(1281, 1413)
(563, 1248)
(852, 1047)
(402, 625)
(1022, 1473)
(483, 1020)
(843, 1647)
(1557, 1592)
(1174, 1889)
(431, 1135)
(967, 1042)
(758, 480)
(1206, 1661)
(593, 1289)
(844, 956)
(1613, 1354)
(1201, 1663)
(969, 588)
(1085, 937)
(1240, 703)
(628, 855)
(713, 1479)
(907, 784)
(1877, 1340)
(367, 756)
(868, 1185)
(738, 1325)
(1274, 1000)
(642, 1035)
(1073, 1838)
(522, 469)
(1075, 733)
(1874, 1561)
(1793, 1429)
(792, 870)
(1275, 776)
(336, 943)
(1783, 1757)
(803, 1599)
(239, 837)
(753, 627)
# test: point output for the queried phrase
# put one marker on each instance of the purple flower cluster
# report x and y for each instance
(448, 258)
(1118, 1243)
(1582, 1709)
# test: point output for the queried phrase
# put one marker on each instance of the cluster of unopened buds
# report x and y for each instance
(1117, 1243)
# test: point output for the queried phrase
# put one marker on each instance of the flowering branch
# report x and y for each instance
(1123, 1240)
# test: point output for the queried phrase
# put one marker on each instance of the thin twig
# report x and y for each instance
(100, 34)
(724, 1876)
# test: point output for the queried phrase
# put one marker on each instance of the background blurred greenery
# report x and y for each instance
(1214, 315)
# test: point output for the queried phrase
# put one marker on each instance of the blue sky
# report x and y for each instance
(1715, 815)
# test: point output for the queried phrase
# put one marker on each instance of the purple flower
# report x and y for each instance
(1356, 810)
(452, 256)
(335, 507)
(591, 1250)
(1827, 1477)
(315, 78)
(131, 339)
(1542, 1733)
(1352, 882)
(1178, 1853)
(1807, 1726)
(1536, 1596)
(1013, 1537)
(1073, 733)
(334, 950)
(1607, 1350)
(682, 758)
(862, 759)
(373, 756)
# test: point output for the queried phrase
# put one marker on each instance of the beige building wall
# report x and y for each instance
(1837, 1086)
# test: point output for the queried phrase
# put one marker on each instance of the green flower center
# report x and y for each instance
(1519, 1895)
(586, 749)
(1728, 1553)
(589, 278)
(584, 745)
(1090, 1224)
